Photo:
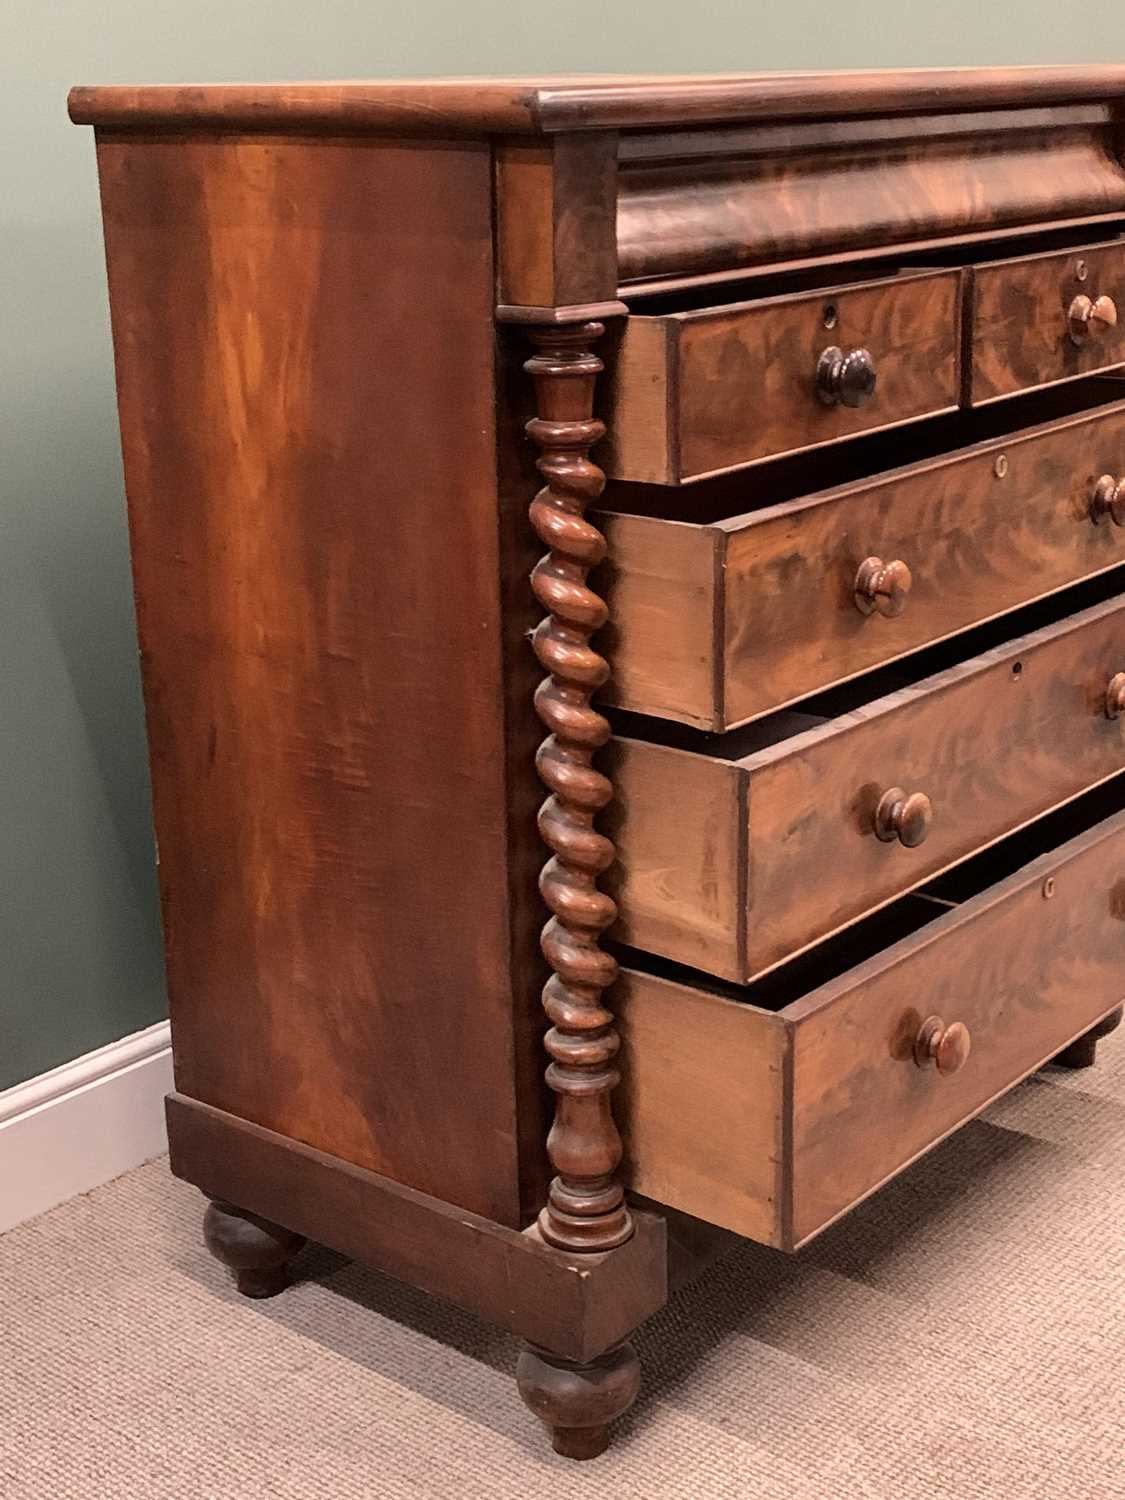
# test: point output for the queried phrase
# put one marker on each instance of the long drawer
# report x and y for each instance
(699, 391)
(719, 622)
(734, 1106)
(740, 851)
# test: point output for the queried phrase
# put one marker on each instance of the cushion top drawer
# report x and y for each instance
(741, 850)
(1039, 319)
(715, 623)
(697, 392)
(735, 1103)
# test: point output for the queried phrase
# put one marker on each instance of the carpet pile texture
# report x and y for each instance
(960, 1335)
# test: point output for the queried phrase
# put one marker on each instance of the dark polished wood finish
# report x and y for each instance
(585, 1207)
(1083, 1053)
(702, 392)
(480, 105)
(256, 1252)
(842, 341)
(289, 464)
(576, 1305)
(577, 1402)
(1034, 321)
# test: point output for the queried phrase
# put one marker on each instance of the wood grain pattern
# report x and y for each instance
(740, 384)
(585, 1208)
(576, 1305)
(313, 533)
(990, 745)
(665, 584)
(555, 212)
(678, 821)
(1020, 336)
(717, 624)
(437, 105)
(686, 218)
(810, 1109)
(575, 1401)
(702, 1104)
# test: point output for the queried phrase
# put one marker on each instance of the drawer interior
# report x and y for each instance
(793, 981)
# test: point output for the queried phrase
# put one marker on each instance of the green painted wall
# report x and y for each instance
(78, 917)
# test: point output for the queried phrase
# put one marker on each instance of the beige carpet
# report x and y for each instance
(961, 1335)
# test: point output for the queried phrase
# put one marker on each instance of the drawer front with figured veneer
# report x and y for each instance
(720, 622)
(1043, 318)
(772, 1110)
(696, 392)
(744, 849)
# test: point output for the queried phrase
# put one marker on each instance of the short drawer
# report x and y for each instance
(743, 849)
(774, 1109)
(715, 624)
(1040, 319)
(700, 391)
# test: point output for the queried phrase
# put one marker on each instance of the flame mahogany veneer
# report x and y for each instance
(801, 320)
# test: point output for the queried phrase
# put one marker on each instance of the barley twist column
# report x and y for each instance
(586, 1204)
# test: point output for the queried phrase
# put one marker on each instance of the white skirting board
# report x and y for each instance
(79, 1125)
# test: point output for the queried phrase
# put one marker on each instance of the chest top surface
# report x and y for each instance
(549, 104)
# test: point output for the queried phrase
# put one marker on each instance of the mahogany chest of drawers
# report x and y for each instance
(825, 385)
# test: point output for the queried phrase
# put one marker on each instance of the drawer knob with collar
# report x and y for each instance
(1107, 499)
(945, 1047)
(1091, 318)
(882, 588)
(1115, 696)
(905, 817)
(845, 379)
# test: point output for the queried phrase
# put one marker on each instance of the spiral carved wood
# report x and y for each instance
(586, 1205)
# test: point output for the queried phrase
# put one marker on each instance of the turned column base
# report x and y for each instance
(1083, 1053)
(577, 1402)
(254, 1250)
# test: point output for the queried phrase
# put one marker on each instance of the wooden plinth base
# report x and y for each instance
(577, 1306)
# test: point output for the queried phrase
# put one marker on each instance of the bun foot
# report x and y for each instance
(255, 1251)
(577, 1402)
(1083, 1053)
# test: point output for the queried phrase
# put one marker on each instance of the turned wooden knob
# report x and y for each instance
(1115, 696)
(1091, 318)
(882, 587)
(845, 379)
(1107, 498)
(902, 817)
(947, 1047)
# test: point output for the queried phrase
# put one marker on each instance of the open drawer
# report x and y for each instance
(736, 851)
(735, 599)
(1035, 320)
(735, 1103)
(700, 390)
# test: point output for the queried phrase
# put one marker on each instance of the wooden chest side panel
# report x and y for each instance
(316, 565)
(702, 1104)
